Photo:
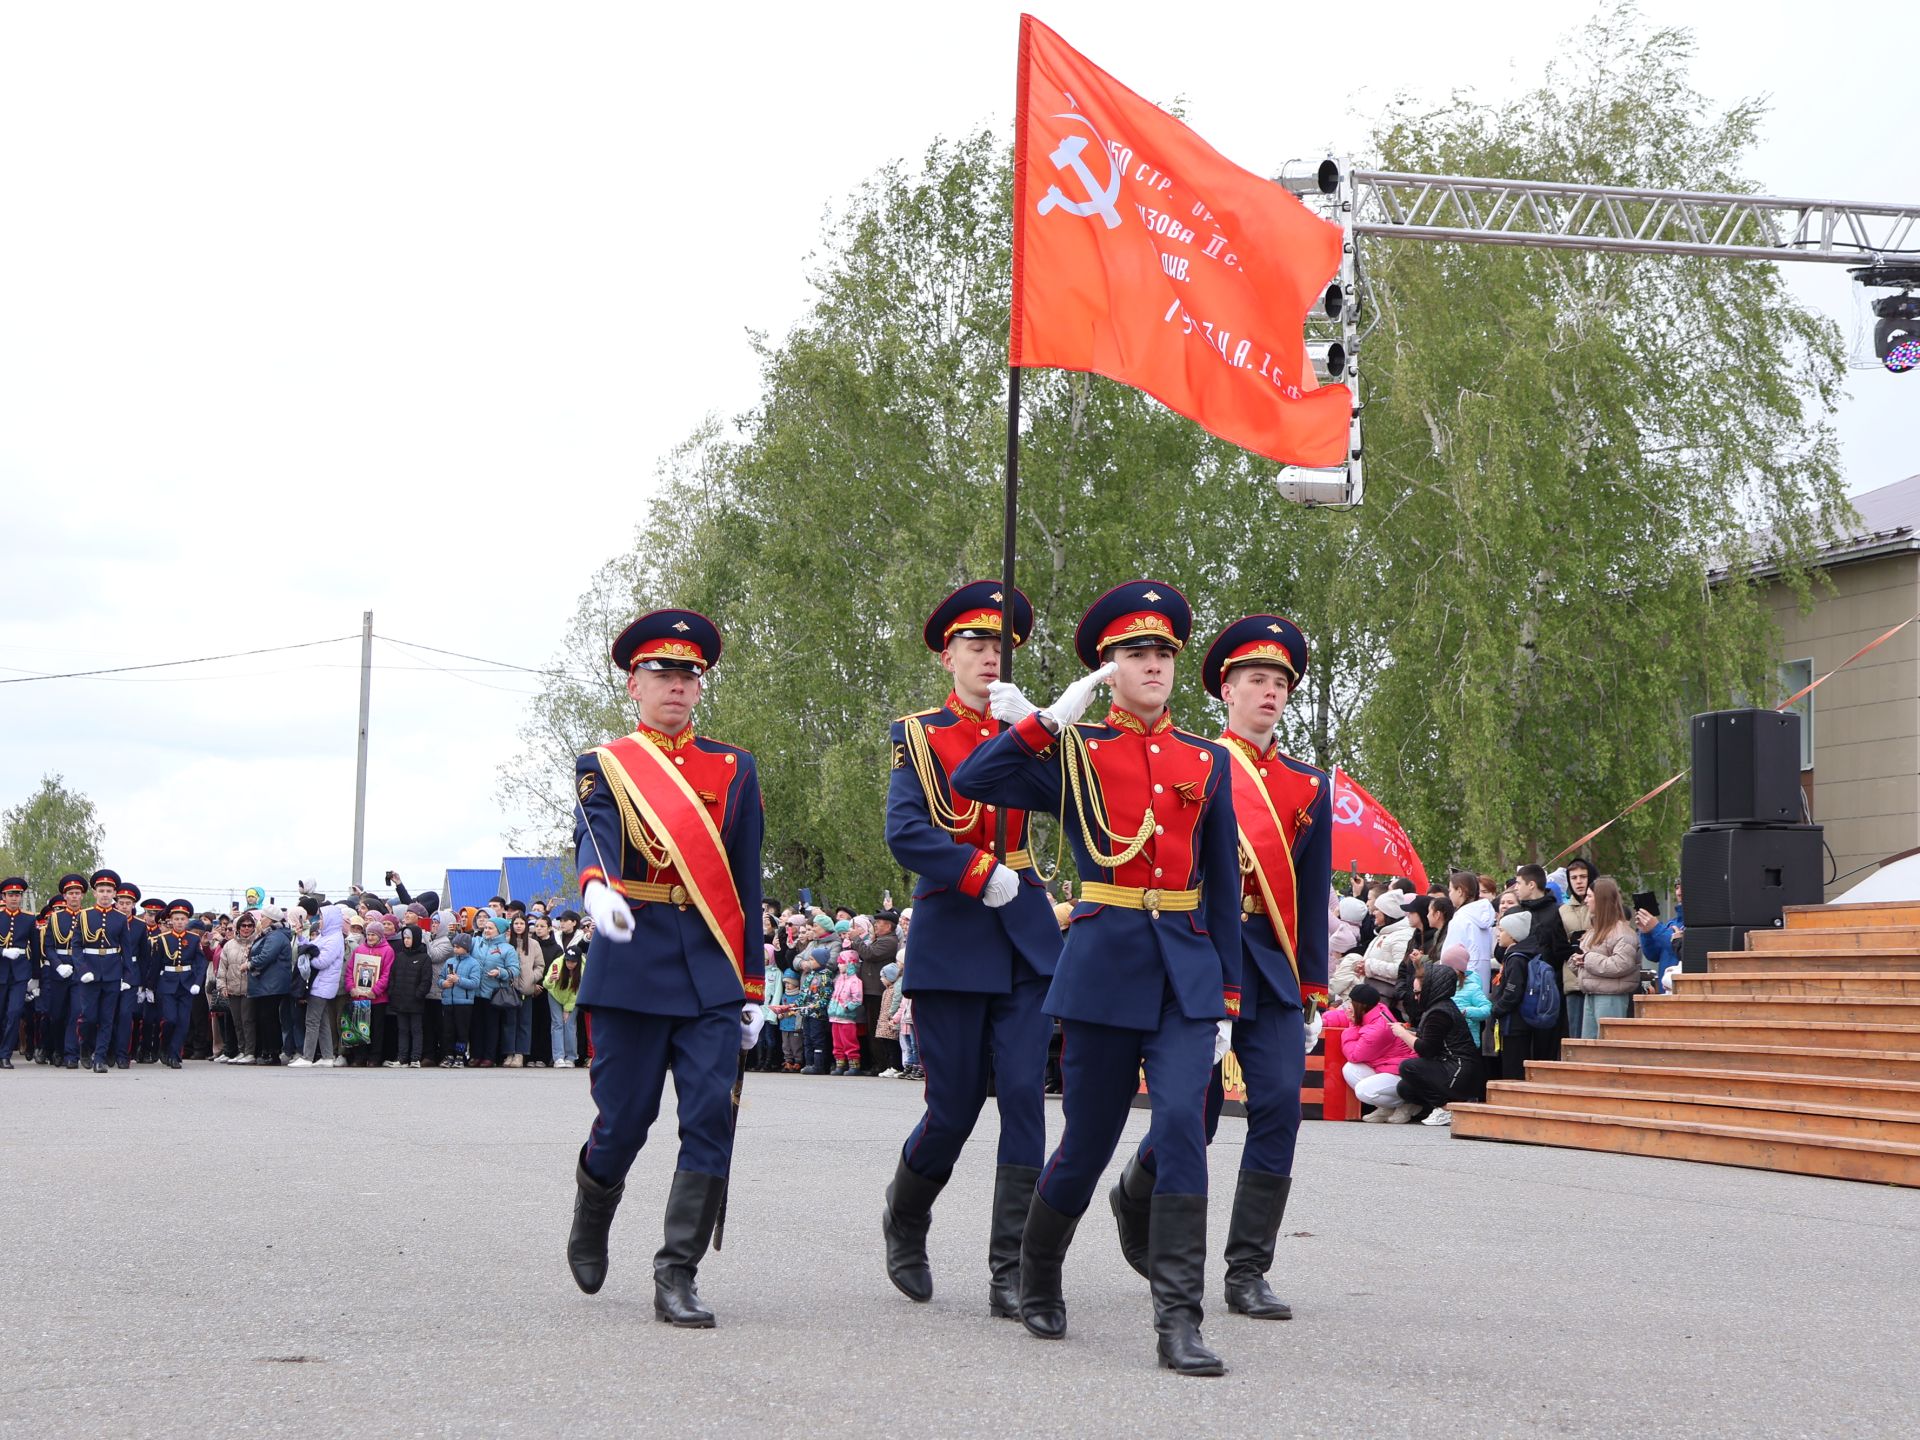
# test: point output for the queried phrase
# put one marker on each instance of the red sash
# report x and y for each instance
(681, 823)
(1263, 840)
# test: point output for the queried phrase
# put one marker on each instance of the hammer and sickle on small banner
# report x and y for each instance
(1100, 198)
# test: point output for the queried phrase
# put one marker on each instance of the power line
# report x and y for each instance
(458, 655)
(168, 664)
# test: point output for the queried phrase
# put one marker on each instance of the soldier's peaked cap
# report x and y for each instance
(1255, 640)
(973, 613)
(112, 877)
(1140, 612)
(668, 640)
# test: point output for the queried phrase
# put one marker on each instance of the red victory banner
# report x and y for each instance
(1367, 838)
(1143, 254)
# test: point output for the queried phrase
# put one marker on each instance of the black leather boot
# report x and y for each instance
(1131, 1197)
(1012, 1197)
(593, 1207)
(903, 1225)
(1043, 1250)
(1177, 1273)
(1259, 1204)
(692, 1205)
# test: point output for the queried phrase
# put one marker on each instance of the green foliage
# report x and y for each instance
(52, 831)
(1506, 637)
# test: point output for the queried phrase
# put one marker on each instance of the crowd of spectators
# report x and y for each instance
(400, 984)
(1438, 993)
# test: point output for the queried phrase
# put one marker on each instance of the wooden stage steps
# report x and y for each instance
(1800, 1053)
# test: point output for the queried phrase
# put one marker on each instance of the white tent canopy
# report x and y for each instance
(1898, 881)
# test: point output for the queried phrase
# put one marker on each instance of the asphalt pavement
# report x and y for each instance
(380, 1253)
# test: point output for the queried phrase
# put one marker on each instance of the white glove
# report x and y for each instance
(193, 990)
(609, 912)
(87, 979)
(1223, 1041)
(1007, 703)
(65, 972)
(752, 1017)
(1313, 1032)
(33, 989)
(1001, 887)
(1074, 700)
(125, 986)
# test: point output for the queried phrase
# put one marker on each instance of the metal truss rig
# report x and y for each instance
(1881, 241)
(1540, 213)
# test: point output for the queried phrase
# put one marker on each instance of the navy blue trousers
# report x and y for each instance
(968, 1041)
(126, 1004)
(13, 1004)
(86, 1006)
(1100, 1074)
(176, 1013)
(632, 1054)
(1272, 1051)
(53, 1007)
(818, 1041)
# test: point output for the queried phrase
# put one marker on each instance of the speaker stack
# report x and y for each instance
(1747, 856)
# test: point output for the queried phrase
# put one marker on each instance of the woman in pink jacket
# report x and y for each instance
(1375, 1048)
(369, 971)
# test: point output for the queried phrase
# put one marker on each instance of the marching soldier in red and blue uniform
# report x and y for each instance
(16, 964)
(97, 960)
(1284, 809)
(56, 943)
(120, 999)
(984, 948)
(153, 918)
(180, 971)
(1151, 969)
(667, 834)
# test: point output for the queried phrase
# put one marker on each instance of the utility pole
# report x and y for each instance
(360, 773)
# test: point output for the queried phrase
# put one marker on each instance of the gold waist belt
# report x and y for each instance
(1129, 898)
(1253, 905)
(648, 892)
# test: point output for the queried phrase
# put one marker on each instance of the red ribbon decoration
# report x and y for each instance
(1806, 689)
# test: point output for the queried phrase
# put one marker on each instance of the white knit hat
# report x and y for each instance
(1389, 905)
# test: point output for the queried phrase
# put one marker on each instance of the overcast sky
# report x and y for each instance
(401, 305)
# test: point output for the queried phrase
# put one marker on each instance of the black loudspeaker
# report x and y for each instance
(1696, 945)
(1745, 875)
(1746, 768)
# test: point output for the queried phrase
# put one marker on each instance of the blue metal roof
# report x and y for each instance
(532, 877)
(470, 887)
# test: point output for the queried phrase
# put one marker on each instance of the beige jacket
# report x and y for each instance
(1574, 919)
(233, 969)
(1610, 966)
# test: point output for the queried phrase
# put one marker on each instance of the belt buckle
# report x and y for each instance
(678, 895)
(1150, 902)
(1249, 904)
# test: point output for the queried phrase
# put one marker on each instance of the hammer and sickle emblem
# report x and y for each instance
(1067, 156)
(1347, 809)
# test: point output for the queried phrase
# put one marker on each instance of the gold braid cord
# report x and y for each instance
(920, 752)
(1085, 788)
(651, 850)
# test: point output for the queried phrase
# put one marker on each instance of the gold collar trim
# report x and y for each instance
(963, 710)
(663, 741)
(1249, 749)
(1126, 720)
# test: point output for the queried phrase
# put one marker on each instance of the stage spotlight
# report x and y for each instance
(1896, 335)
